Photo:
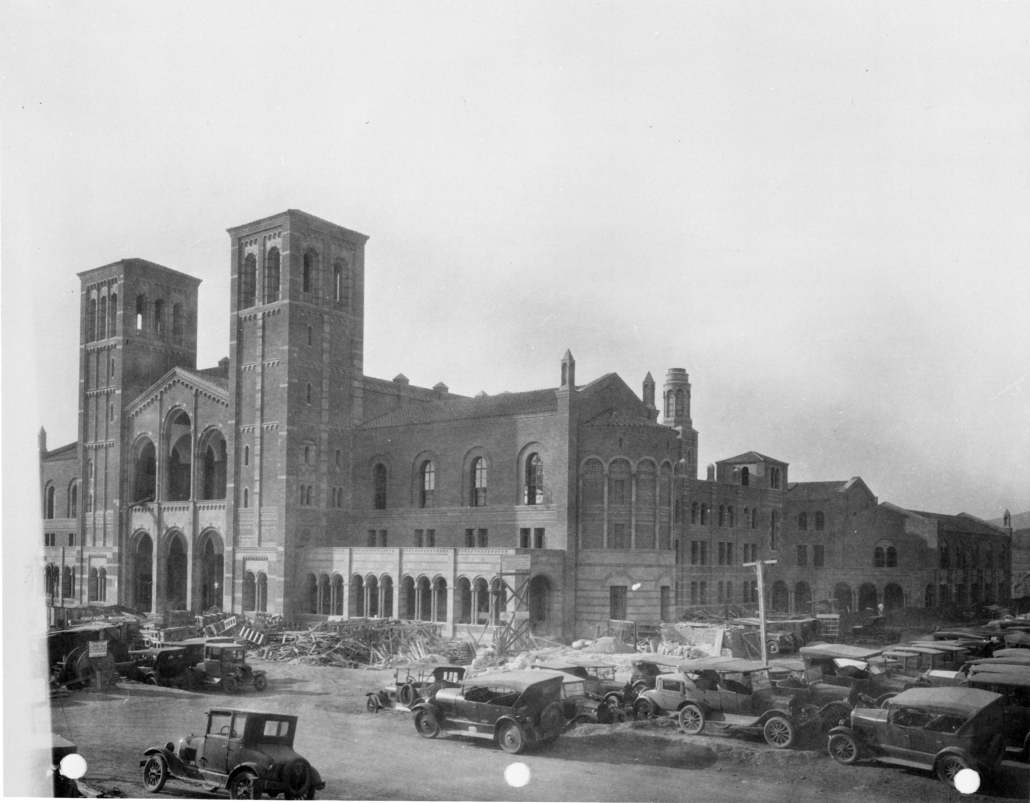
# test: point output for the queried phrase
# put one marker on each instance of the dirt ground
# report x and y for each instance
(364, 756)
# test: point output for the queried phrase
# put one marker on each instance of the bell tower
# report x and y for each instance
(676, 412)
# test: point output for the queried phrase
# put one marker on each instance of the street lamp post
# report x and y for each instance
(761, 603)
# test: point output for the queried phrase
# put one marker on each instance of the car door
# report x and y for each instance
(906, 736)
(214, 753)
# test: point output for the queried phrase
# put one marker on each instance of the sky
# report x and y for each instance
(820, 211)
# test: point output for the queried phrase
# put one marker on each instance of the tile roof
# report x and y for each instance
(751, 457)
(499, 406)
(963, 522)
(621, 418)
(62, 451)
(216, 376)
(817, 488)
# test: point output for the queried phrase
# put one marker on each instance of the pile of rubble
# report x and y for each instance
(354, 643)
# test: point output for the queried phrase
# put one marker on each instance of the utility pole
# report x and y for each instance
(761, 603)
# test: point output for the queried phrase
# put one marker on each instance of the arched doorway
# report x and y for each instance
(480, 602)
(337, 595)
(541, 597)
(867, 597)
(176, 570)
(249, 591)
(179, 438)
(323, 594)
(386, 594)
(372, 595)
(893, 597)
(802, 597)
(208, 570)
(842, 594)
(143, 573)
(408, 598)
(144, 472)
(439, 600)
(212, 450)
(357, 596)
(424, 599)
(464, 601)
(780, 597)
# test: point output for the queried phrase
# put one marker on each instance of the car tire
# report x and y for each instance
(844, 748)
(644, 709)
(244, 786)
(510, 738)
(583, 719)
(155, 773)
(426, 724)
(949, 766)
(260, 682)
(779, 732)
(772, 647)
(613, 701)
(832, 713)
(691, 719)
(297, 777)
(407, 695)
(372, 705)
(881, 639)
(150, 680)
(230, 685)
(552, 719)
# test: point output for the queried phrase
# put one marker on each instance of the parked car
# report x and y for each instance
(516, 709)
(413, 683)
(598, 678)
(860, 668)
(246, 752)
(875, 630)
(161, 666)
(225, 664)
(648, 667)
(1015, 688)
(582, 708)
(944, 729)
(729, 693)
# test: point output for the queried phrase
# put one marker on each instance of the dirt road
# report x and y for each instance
(380, 757)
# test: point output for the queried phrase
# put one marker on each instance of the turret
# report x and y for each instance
(652, 411)
(568, 371)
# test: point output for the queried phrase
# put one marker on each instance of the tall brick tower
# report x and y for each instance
(138, 321)
(676, 414)
(296, 329)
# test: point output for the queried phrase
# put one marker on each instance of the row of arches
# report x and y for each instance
(179, 585)
(625, 506)
(50, 501)
(723, 516)
(868, 597)
(58, 582)
(334, 290)
(102, 316)
(971, 556)
(180, 469)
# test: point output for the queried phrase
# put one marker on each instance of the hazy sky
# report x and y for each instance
(820, 210)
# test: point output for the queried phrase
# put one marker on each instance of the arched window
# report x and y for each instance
(747, 517)
(68, 583)
(102, 319)
(774, 530)
(477, 477)
(102, 585)
(112, 315)
(73, 500)
(745, 476)
(378, 486)
(669, 404)
(90, 486)
(248, 282)
(731, 515)
(878, 558)
(272, 276)
(680, 407)
(92, 585)
(693, 513)
(820, 520)
(338, 295)
(159, 317)
(802, 521)
(427, 483)
(892, 557)
(246, 455)
(533, 493)
(339, 459)
(141, 312)
(261, 593)
(311, 335)
(308, 269)
(52, 579)
(178, 329)
(91, 321)
(51, 496)
(945, 560)
(249, 589)
(722, 515)
(307, 393)
(754, 519)
(704, 513)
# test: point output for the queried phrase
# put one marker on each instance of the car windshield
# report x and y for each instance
(220, 723)
(602, 672)
(875, 666)
(573, 688)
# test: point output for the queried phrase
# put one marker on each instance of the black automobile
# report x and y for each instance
(412, 683)
(1014, 687)
(162, 666)
(514, 709)
(945, 730)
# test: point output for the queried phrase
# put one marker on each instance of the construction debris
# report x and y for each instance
(354, 643)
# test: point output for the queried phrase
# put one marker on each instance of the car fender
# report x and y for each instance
(176, 766)
(506, 719)
(253, 766)
(844, 729)
(776, 712)
(705, 708)
(963, 754)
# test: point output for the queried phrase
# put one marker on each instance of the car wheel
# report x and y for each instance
(552, 719)
(150, 680)
(372, 704)
(155, 773)
(643, 709)
(245, 786)
(779, 732)
(260, 682)
(407, 695)
(843, 748)
(426, 724)
(297, 776)
(949, 766)
(613, 701)
(583, 719)
(881, 639)
(230, 685)
(772, 647)
(510, 738)
(639, 687)
(691, 719)
(832, 714)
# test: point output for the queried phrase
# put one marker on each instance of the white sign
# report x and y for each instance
(98, 649)
(515, 616)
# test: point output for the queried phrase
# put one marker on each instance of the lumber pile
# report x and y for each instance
(353, 643)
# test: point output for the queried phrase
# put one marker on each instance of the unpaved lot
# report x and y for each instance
(380, 757)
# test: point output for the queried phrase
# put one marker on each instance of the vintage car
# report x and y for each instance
(161, 666)
(956, 652)
(515, 709)
(412, 683)
(249, 753)
(598, 678)
(1015, 688)
(225, 664)
(729, 693)
(580, 707)
(860, 668)
(648, 667)
(944, 729)
(874, 631)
